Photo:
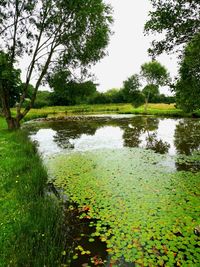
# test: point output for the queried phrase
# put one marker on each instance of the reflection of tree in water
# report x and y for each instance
(156, 145)
(72, 130)
(142, 125)
(133, 131)
(187, 135)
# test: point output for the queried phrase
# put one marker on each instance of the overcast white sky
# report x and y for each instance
(128, 46)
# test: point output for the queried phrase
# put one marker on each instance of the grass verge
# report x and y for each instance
(31, 221)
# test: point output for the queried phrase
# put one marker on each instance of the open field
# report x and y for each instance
(153, 109)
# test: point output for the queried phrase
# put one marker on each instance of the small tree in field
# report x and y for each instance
(131, 91)
(53, 34)
(155, 75)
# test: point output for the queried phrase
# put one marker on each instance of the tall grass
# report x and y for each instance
(31, 221)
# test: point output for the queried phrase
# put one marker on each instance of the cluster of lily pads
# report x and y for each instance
(144, 212)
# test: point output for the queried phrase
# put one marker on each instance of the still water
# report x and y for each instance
(132, 185)
(171, 136)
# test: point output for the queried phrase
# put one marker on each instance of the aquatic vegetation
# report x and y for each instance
(191, 162)
(145, 213)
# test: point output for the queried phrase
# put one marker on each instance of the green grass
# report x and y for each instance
(30, 224)
(167, 110)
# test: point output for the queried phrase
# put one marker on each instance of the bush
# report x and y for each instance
(43, 99)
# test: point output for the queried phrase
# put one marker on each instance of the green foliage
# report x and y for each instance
(43, 99)
(145, 213)
(161, 98)
(68, 92)
(131, 87)
(115, 95)
(154, 73)
(108, 97)
(151, 91)
(177, 20)
(188, 87)
(29, 90)
(138, 100)
(99, 98)
(131, 90)
(118, 96)
(9, 81)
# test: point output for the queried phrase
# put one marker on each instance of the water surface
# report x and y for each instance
(171, 136)
(133, 181)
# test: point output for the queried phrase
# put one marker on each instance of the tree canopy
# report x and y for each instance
(131, 86)
(177, 20)
(154, 73)
(55, 34)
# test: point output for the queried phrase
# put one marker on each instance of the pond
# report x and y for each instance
(131, 182)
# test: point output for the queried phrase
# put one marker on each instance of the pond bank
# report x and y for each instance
(31, 221)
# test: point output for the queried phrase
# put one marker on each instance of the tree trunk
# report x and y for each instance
(13, 123)
(146, 102)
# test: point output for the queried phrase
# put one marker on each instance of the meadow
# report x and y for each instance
(167, 110)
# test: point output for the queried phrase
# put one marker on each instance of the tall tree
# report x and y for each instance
(177, 20)
(187, 88)
(65, 33)
(155, 75)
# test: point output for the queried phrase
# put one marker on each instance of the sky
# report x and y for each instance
(128, 46)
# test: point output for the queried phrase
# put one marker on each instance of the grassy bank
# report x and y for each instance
(30, 225)
(167, 110)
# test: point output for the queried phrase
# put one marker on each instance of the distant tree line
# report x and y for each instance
(67, 91)
(46, 98)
